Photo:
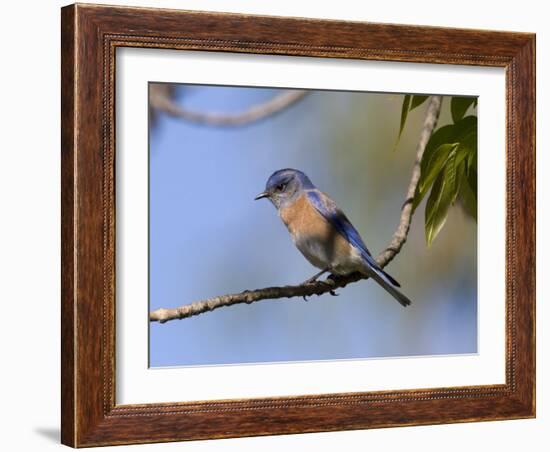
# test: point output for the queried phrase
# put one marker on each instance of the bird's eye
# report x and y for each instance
(280, 187)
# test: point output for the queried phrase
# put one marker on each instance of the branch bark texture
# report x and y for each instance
(321, 287)
(160, 99)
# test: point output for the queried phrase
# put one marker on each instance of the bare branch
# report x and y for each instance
(400, 235)
(160, 98)
(328, 286)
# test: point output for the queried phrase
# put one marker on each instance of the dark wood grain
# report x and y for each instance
(67, 227)
(90, 36)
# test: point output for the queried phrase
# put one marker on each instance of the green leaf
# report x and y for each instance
(433, 209)
(459, 106)
(467, 192)
(451, 175)
(463, 133)
(410, 102)
(404, 112)
(435, 164)
(431, 170)
(417, 101)
(449, 166)
(472, 177)
(441, 136)
(471, 163)
(462, 153)
(467, 150)
(453, 133)
(442, 196)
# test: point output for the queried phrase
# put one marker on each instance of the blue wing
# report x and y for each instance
(328, 209)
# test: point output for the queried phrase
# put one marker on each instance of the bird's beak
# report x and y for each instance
(262, 195)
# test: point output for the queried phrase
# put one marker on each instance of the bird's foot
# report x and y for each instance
(331, 281)
(314, 277)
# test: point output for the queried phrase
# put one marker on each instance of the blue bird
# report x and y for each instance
(322, 232)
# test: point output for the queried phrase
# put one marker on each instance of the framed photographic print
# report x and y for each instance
(282, 225)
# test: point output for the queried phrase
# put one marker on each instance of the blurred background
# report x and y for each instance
(208, 237)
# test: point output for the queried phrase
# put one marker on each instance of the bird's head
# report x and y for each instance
(284, 186)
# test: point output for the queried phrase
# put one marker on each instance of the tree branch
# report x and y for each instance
(328, 286)
(160, 98)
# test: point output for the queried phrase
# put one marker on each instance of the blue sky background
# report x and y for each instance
(209, 237)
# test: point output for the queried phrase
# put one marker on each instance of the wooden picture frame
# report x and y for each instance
(90, 36)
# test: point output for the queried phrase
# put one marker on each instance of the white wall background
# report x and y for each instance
(29, 226)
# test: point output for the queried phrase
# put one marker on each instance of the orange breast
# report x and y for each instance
(306, 224)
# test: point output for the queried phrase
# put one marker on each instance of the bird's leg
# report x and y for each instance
(314, 277)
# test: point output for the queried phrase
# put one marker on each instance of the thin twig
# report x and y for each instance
(160, 98)
(320, 287)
